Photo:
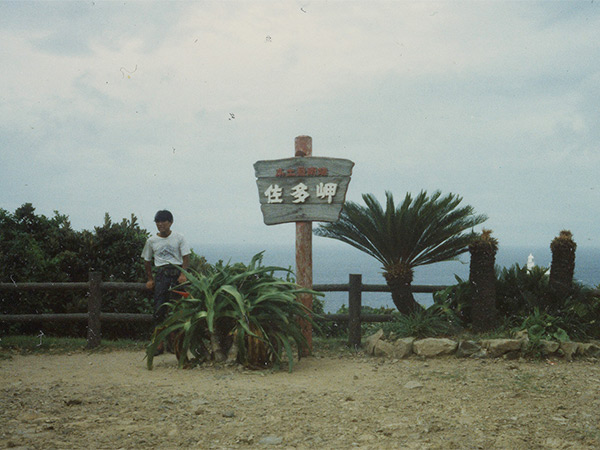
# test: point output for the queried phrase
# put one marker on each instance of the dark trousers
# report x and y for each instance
(165, 279)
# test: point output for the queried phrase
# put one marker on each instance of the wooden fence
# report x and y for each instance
(95, 286)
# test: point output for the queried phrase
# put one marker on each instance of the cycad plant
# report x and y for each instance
(419, 231)
(482, 277)
(563, 264)
(242, 312)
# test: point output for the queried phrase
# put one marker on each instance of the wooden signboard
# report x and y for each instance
(308, 189)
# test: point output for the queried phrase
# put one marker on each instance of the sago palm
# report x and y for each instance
(562, 267)
(419, 231)
(482, 276)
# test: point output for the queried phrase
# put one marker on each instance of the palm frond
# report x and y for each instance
(419, 231)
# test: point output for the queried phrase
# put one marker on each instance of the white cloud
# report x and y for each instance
(133, 105)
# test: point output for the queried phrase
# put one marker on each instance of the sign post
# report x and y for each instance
(304, 275)
(303, 189)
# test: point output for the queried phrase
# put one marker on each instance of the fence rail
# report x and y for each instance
(95, 286)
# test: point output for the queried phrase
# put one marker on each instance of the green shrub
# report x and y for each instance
(455, 301)
(35, 248)
(327, 328)
(520, 290)
(430, 322)
(542, 326)
(243, 312)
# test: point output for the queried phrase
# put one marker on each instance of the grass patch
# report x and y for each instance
(331, 346)
(527, 382)
(25, 345)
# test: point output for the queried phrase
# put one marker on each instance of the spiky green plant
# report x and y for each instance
(519, 290)
(455, 301)
(419, 231)
(421, 323)
(245, 312)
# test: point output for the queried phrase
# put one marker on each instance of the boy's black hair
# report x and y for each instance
(163, 216)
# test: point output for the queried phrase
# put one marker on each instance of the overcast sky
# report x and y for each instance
(129, 107)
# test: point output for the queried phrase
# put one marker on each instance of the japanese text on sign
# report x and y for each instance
(302, 172)
(300, 192)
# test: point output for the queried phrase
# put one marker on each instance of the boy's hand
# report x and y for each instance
(182, 279)
(150, 284)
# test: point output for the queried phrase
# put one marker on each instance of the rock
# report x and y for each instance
(382, 348)
(434, 347)
(198, 402)
(246, 439)
(549, 347)
(413, 385)
(569, 349)
(522, 335)
(396, 350)
(403, 347)
(372, 340)
(232, 354)
(590, 350)
(271, 440)
(366, 438)
(498, 347)
(512, 355)
(467, 348)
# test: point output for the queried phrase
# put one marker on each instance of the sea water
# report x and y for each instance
(334, 262)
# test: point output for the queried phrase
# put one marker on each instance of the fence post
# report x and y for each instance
(354, 307)
(94, 305)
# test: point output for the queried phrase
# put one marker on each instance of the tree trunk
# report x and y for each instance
(482, 277)
(563, 264)
(399, 279)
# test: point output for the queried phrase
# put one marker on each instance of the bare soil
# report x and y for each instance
(110, 400)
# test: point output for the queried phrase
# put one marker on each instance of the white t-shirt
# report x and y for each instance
(169, 250)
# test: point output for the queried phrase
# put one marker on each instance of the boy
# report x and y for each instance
(170, 251)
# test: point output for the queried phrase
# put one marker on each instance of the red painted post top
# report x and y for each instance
(303, 146)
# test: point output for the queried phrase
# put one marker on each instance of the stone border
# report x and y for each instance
(377, 345)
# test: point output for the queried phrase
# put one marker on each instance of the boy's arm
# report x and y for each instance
(186, 263)
(148, 267)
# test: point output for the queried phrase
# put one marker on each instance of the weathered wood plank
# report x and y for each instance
(363, 317)
(76, 317)
(43, 286)
(287, 184)
(295, 213)
(335, 166)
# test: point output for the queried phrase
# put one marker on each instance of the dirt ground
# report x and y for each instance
(109, 400)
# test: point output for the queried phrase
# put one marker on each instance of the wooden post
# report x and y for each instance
(354, 307)
(302, 148)
(94, 305)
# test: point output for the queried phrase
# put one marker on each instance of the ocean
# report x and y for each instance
(334, 261)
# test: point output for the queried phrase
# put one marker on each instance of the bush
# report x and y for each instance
(455, 301)
(327, 328)
(430, 322)
(34, 248)
(243, 312)
(523, 294)
(520, 290)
